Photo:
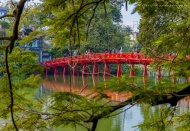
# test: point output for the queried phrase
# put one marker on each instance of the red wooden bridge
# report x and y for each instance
(96, 58)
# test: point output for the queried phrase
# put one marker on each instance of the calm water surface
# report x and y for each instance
(121, 122)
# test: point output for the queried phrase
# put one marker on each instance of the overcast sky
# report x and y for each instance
(129, 19)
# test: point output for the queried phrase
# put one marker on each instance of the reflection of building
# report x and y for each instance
(35, 45)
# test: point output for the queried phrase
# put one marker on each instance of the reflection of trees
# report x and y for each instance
(163, 117)
(184, 105)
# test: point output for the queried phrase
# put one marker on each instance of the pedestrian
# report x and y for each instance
(110, 50)
(88, 52)
(114, 50)
(75, 53)
(65, 55)
(120, 50)
(137, 50)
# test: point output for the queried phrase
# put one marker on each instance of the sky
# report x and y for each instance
(129, 19)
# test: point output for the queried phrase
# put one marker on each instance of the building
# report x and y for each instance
(35, 45)
(3, 23)
(3, 11)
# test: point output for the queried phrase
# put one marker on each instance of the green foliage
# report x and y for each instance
(157, 118)
(106, 32)
(4, 24)
(22, 64)
(164, 30)
(67, 108)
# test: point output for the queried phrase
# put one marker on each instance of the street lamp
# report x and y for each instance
(126, 6)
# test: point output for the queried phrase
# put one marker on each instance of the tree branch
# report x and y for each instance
(157, 100)
(94, 124)
(173, 99)
(17, 13)
(8, 15)
(5, 38)
(10, 87)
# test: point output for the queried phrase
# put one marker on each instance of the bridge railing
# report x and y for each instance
(98, 57)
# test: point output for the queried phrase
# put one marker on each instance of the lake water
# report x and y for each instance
(124, 121)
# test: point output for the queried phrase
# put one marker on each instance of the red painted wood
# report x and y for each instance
(159, 72)
(145, 71)
(136, 58)
(46, 72)
(95, 69)
(85, 59)
(119, 70)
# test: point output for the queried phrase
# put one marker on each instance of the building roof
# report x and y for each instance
(27, 31)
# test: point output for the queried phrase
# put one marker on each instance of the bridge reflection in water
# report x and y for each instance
(81, 85)
(121, 122)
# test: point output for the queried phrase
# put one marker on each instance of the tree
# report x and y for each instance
(68, 25)
(3, 26)
(162, 30)
(105, 32)
(12, 59)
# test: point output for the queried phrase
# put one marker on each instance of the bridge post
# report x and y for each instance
(84, 69)
(145, 80)
(145, 70)
(74, 69)
(83, 81)
(159, 73)
(106, 67)
(145, 74)
(173, 77)
(46, 72)
(132, 72)
(64, 69)
(95, 68)
(119, 70)
(55, 71)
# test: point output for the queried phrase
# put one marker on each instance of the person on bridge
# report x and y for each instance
(137, 50)
(120, 50)
(88, 51)
(110, 50)
(114, 50)
(75, 53)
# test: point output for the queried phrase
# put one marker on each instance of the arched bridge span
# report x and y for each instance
(95, 58)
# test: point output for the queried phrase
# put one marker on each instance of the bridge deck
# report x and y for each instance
(131, 58)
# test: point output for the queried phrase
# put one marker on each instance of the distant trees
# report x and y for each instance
(105, 32)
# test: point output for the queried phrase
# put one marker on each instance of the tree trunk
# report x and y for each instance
(94, 125)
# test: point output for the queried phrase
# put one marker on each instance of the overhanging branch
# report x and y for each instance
(17, 12)
(5, 38)
(171, 99)
(8, 15)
